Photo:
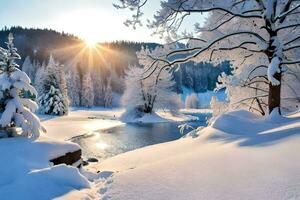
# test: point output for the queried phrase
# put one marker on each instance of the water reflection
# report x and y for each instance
(107, 143)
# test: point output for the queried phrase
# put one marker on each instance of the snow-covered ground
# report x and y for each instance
(241, 156)
(80, 121)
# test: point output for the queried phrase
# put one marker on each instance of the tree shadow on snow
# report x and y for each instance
(256, 132)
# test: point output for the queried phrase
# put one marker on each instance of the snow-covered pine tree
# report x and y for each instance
(87, 91)
(16, 108)
(29, 68)
(40, 77)
(52, 102)
(108, 94)
(53, 90)
(97, 84)
(73, 84)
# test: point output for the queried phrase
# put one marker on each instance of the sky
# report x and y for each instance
(91, 20)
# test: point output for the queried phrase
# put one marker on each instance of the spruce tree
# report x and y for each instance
(17, 109)
(53, 99)
(87, 93)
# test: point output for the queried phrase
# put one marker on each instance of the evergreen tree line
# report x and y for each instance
(59, 86)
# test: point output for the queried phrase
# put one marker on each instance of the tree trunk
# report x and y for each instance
(274, 90)
(274, 94)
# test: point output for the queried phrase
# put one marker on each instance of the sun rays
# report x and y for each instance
(87, 54)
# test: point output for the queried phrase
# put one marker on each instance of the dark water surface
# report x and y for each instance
(103, 144)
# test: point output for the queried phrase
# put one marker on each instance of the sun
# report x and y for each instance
(91, 42)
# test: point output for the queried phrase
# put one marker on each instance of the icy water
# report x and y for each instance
(103, 144)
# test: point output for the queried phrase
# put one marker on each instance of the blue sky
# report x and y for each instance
(92, 20)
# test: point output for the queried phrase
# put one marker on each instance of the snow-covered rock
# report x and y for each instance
(26, 172)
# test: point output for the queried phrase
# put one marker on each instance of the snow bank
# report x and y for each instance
(157, 117)
(242, 156)
(26, 172)
(80, 121)
(253, 129)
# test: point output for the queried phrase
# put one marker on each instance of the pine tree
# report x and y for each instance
(28, 68)
(97, 84)
(17, 109)
(52, 102)
(108, 94)
(53, 97)
(87, 92)
(73, 85)
(40, 77)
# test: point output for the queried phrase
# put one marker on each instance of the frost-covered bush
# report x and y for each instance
(17, 110)
(192, 101)
(146, 95)
(156, 91)
(218, 108)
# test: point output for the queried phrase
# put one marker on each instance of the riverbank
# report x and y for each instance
(81, 121)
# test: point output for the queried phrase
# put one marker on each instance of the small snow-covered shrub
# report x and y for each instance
(16, 107)
(192, 101)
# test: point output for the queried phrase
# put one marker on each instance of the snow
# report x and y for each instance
(80, 121)
(273, 68)
(156, 117)
(26, 172)
(241, 156)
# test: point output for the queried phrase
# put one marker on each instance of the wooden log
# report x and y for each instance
(71, 158)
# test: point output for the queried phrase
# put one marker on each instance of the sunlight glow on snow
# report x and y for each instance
(100, 124)
(102, 145)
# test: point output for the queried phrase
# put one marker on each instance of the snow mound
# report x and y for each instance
(253, 129)
(26, 172)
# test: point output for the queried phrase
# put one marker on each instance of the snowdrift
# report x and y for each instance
(26, 172)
